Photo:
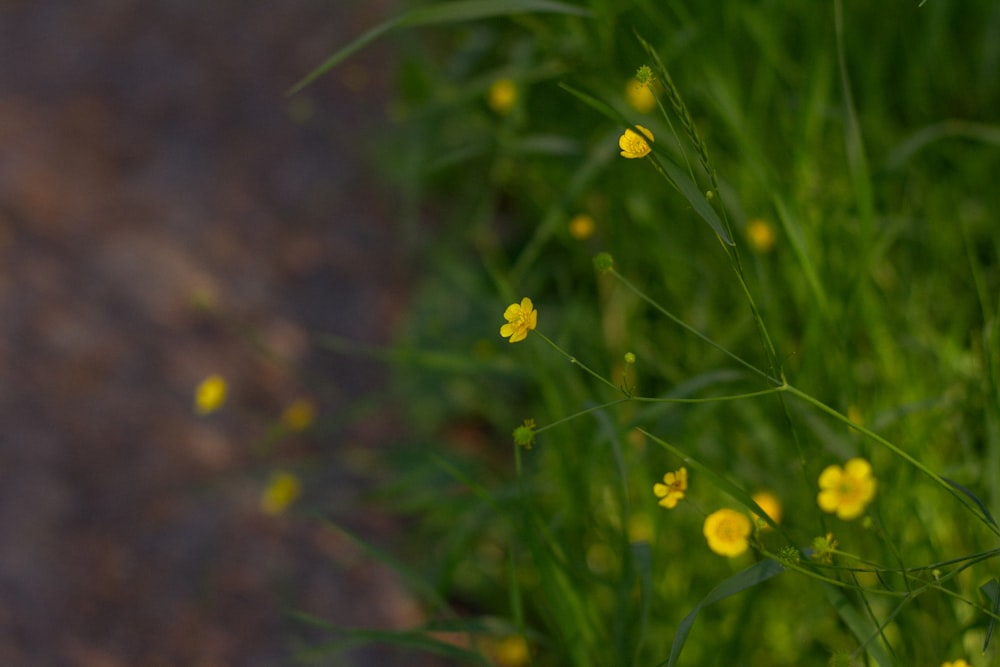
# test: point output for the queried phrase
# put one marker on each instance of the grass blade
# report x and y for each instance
(753, 575)
(452, 12)
(991, 589)
(680, 180)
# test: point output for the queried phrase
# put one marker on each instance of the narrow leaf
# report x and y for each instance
(979, 503)
(753, 575)
(991, 589)
(677, 177)
(451, 12)
(858, 625)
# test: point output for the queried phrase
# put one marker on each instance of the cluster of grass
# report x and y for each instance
(804, 270)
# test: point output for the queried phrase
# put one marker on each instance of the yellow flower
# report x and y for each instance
(671, 491)
(639, 96)
(210, 394)
(771, 506)
(640, 528)
(502, 96)
(848, 490)
(299, 415)
(582, 227)
(634, 145)
(727, 531)
(512, 651)
(521, 318)
(761, 235)
(282, 490)
(955, 663)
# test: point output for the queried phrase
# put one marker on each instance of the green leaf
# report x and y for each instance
(753, 575)
(859, 626)
(979, 503)
(410, 639)
(451, 12)
(991, 589)
(674, 173)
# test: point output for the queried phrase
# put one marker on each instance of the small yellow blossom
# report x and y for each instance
(502, 96)
(521, 318)
(639, 96)
(210, 394)
(512, 651)
(727, 531)
(768, 502)
(955, 663)
(848, 490)
(761, 235)
(299, 415)
(634, 145)
(582, 227)
(282, 490)
(671, 491)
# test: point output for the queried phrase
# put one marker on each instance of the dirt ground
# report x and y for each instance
(149, 160)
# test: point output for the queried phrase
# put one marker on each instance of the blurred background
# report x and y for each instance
(166, 214)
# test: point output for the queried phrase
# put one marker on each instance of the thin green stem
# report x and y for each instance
(823, 407)
(577, 362)
(687, 327)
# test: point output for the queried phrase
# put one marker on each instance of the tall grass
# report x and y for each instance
(803, 271)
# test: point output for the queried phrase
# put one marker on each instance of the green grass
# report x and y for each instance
(866, 138)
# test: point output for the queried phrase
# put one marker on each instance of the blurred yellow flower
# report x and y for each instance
(299, 415)
(282, 490)
(761, 235)
(512, 651)
(640, 528)
(582, 227)
(848, 490)
(521, 318)
(771, 506)
(634, 145)
(639, 96)
(502, 96)
(210, 394)
(727, 531)
(956, 663)
(671, 491)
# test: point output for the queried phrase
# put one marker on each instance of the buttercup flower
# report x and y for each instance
(582, 227)
(521, 318)
(671, 491)
(848, 490)
(727, 531)
(210, 394)
(512, 651)
(502, 96)
(282, 490)
(633, 144)
(955, 663)
(761, 235)
(639, 96)
(771, 506)
(299, 415)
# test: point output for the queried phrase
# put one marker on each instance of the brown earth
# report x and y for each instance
(149, 159)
